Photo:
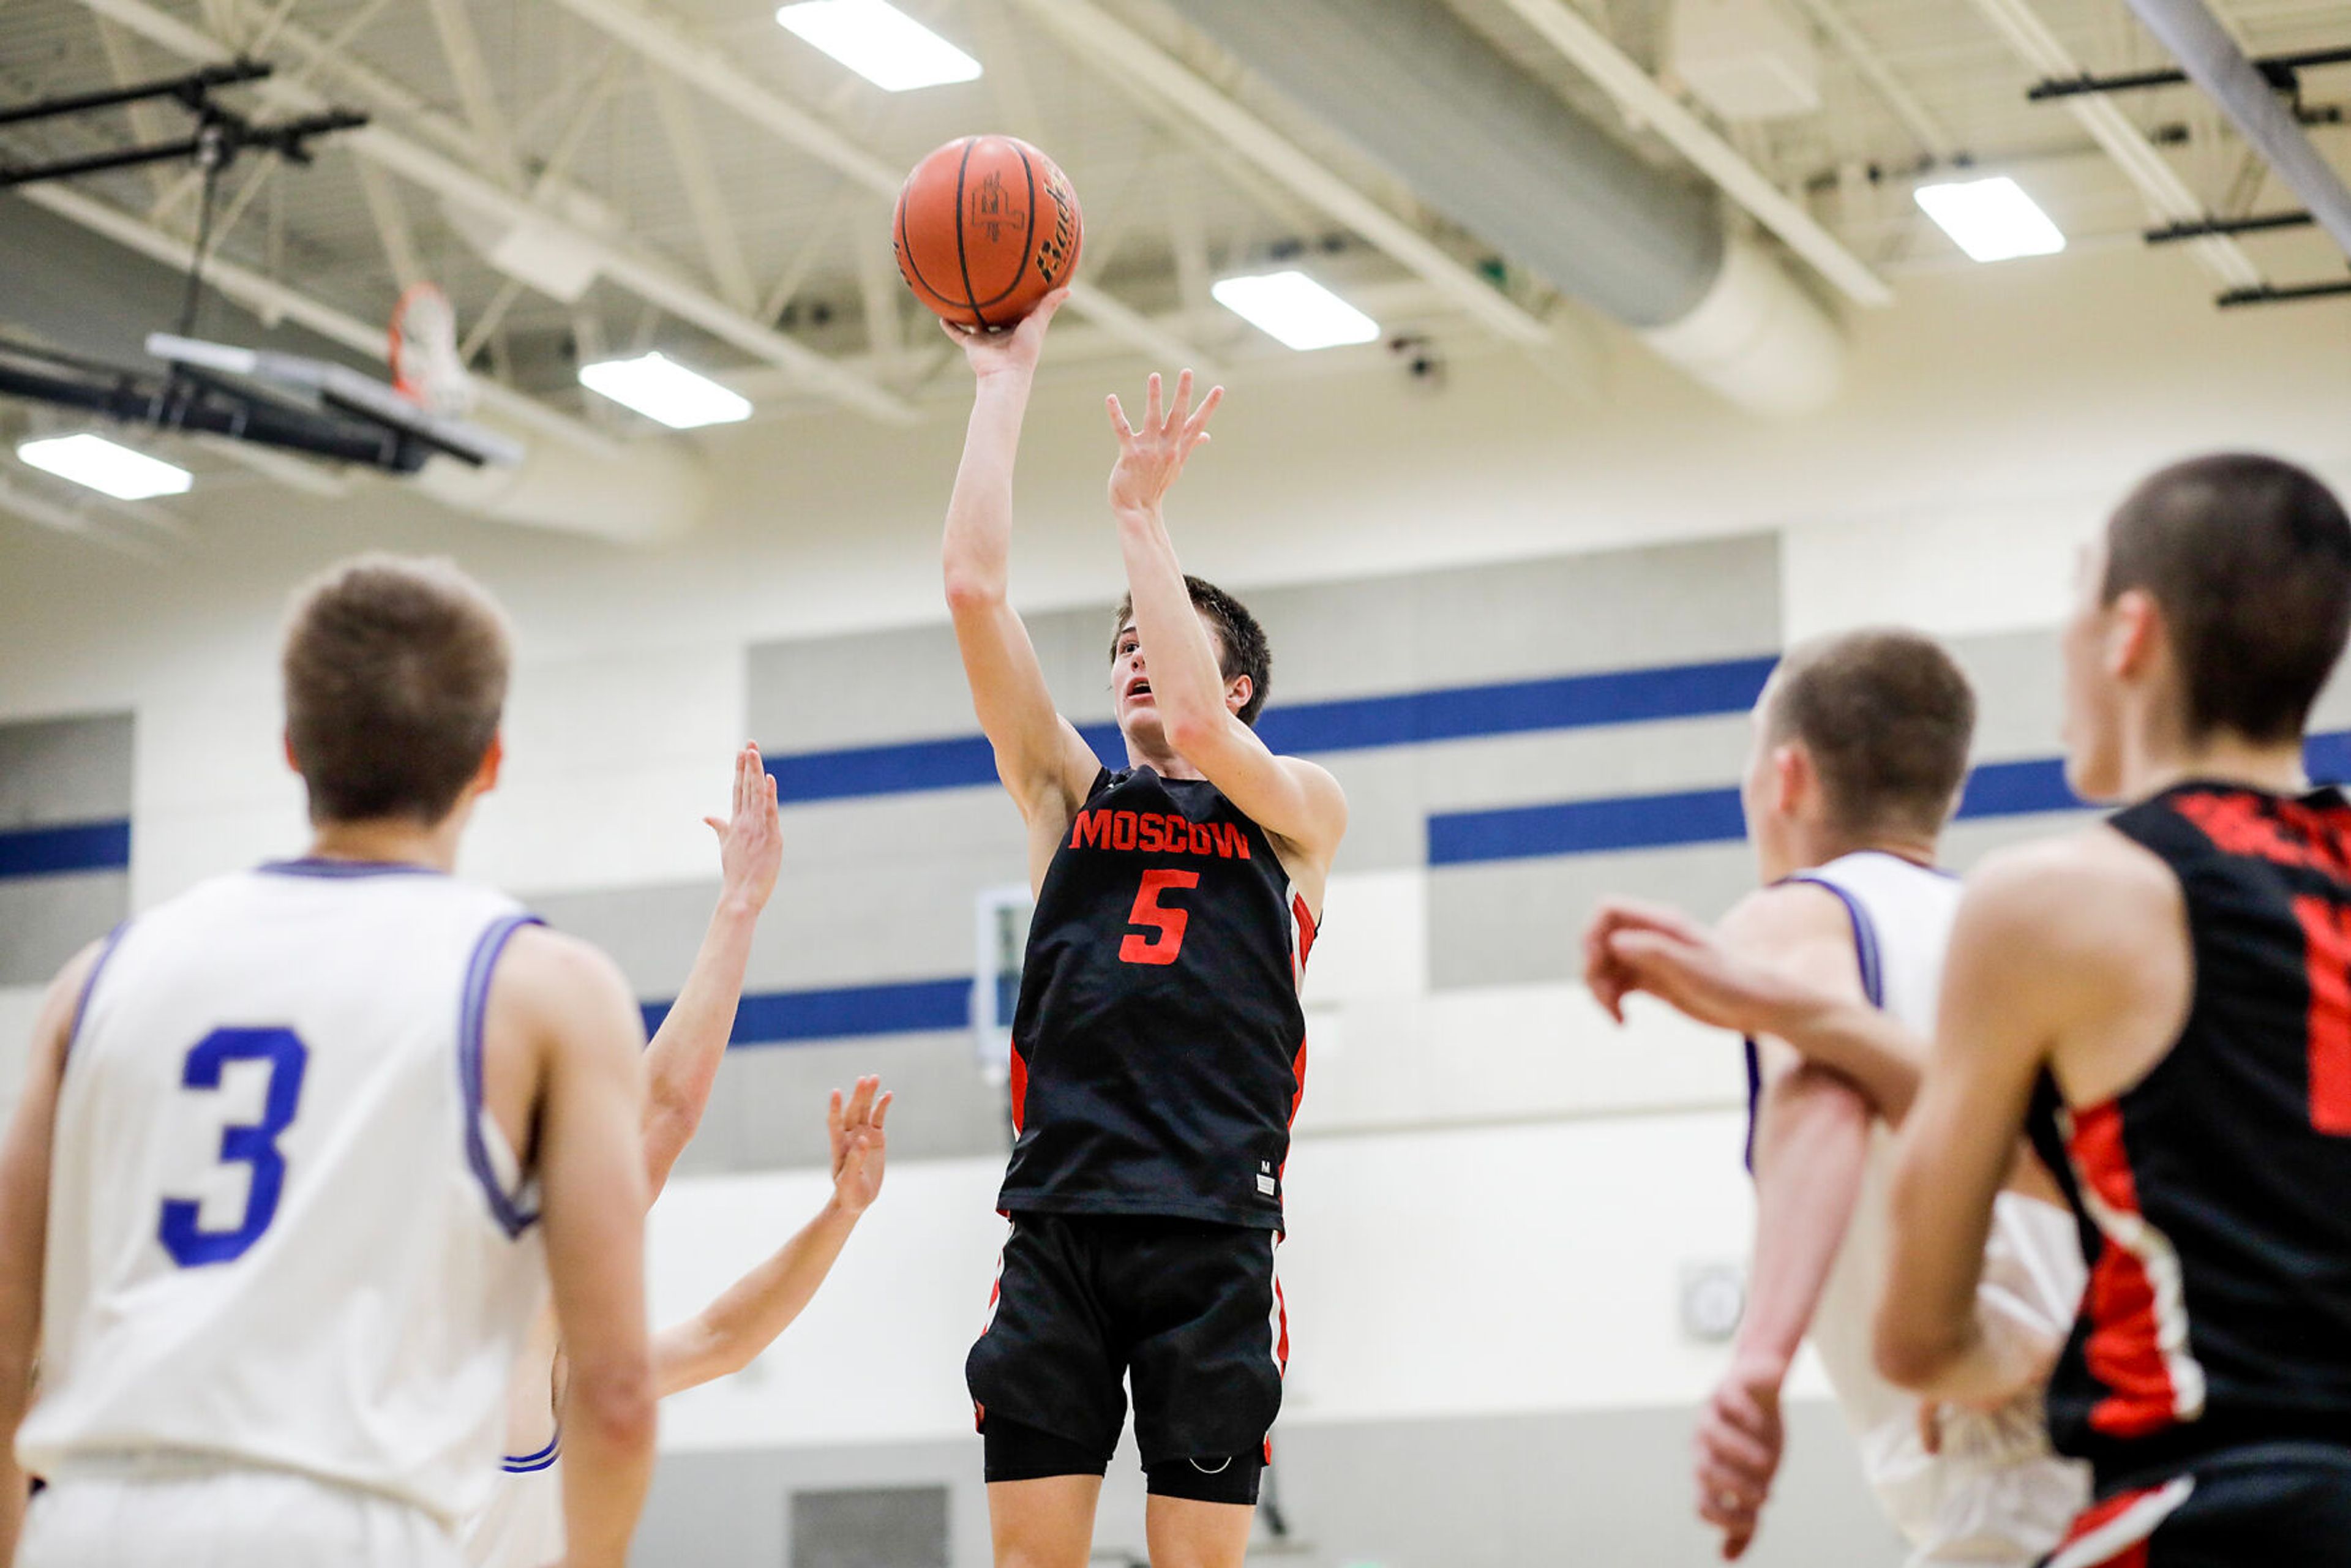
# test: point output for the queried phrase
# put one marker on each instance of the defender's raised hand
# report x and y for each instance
(1151, 458)
(1016, 351)
(751, 840)
(860, 1148)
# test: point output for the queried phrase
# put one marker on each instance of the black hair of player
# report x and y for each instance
(1887, 715)
(396, 680)
(2249, 559)
(1241, 647)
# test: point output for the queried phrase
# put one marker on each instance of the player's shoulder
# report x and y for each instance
(1786, 917)
(2070, 900)
(549, 966)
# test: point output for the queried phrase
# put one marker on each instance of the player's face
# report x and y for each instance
(2093, 722)
(1130, 682)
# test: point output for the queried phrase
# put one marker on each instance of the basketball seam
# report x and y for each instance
(913, 269)
(963, 261)
(1028, 240)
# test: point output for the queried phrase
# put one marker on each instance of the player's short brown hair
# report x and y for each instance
(1241, 648)
(1888, 718)
(2250, 560)
(396, 678)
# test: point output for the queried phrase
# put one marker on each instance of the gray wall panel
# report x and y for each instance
(45, 920)
(65, 770)
(767, 1109)
(652, 933)
(1511, 923)
(1585, 1490)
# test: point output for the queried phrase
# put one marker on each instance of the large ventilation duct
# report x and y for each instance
(2211, 58)
(88, 295)
(1496, 151)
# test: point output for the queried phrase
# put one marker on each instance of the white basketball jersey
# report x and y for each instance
(522, 1525)
(1995, 1494)
(282, 1233)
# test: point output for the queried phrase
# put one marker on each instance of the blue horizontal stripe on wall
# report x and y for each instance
(779, 1018)
(1349, 724)
(1713, 816)
(52, 852)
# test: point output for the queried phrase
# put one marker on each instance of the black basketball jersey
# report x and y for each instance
(1159, 1048)
(2214, 1196)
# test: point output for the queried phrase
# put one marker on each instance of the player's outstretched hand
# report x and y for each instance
(860, 1148)
(751, 840)
(1151, 457)
(1738, 1447)
(1631, 946)
(995, 353)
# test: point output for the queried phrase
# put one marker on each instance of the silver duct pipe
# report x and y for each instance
(1493, 150)
(2212, 60)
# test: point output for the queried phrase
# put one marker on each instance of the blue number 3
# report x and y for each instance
(190, 1245)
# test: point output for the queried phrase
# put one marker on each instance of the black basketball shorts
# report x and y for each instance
(1188, 1312)
(2278, 1504)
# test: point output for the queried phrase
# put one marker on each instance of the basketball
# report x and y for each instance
(986, 226)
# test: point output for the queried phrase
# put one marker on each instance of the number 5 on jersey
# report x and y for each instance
(1165, 922)
(181, 1230)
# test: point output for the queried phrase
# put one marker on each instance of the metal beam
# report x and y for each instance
(2167, 195)
(1639, 94)
(1931, 134)
(462, 50)
(667, 44)
(712, 222)
(643, 276)
(390, 222)
(1108, 42)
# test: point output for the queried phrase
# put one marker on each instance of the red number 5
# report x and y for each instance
(1167, 925)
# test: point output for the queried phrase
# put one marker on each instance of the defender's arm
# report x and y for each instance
(571, 1003)
(683, 1060)
(726, 1335)
(24, 1225)
(1631, 946)
(2048, 943)
(1043, 761)
(1290, 798)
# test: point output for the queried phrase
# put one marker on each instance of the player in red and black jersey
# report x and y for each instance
(2163, 1003)
(1159, 1044)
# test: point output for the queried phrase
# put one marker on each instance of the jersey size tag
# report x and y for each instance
(1265, 1184)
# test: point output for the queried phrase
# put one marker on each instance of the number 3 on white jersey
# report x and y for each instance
(181, 1230)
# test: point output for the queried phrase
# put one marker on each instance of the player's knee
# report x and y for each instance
(1208, 1477)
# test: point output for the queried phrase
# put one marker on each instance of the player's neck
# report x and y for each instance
(2154, 764)
(1918, 850)
(1166, 761)
(387, 840)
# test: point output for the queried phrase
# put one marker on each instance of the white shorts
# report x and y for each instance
(205, 1516)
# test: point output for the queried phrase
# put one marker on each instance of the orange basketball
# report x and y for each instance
(985, 227)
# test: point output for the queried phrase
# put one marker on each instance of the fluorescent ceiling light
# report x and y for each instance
(103, 465)
(880, 43)
(1991, 220)
(660, 388)
(1295, 309)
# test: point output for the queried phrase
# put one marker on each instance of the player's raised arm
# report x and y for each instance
(1291, 798)
(684, 1057)
(1042, 761)
(572, 1004)
(2050, 944)
(24, 1227)
(726, 1335)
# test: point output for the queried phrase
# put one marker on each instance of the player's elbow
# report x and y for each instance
(971, 589)
(1911, 1352)
(1194, 731)
(615, 1400)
